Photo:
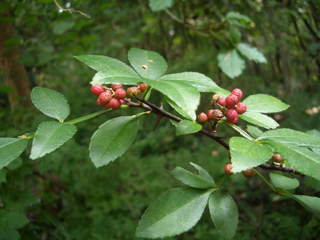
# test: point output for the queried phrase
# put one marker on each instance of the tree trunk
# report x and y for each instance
(14, 72)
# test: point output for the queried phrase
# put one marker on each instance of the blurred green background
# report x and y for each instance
(64, 196)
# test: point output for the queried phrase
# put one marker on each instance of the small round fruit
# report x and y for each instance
(120, 93)
(122, 102)
(115, 104)
(241, 108)
(99, 103)
(97, 89)
(105, 97)
(202, 117)
(230, 107)
(222, 101)
(228, 168)
(234, 121)
(232, 100)
(116, 86)
(249, 173)
(143, 86)
(231, 114)
(215, 115)
(277, 158)
(237, 92)
(133, 90)
(214, 100)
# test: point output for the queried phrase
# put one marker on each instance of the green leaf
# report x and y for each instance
(175, 212)
(157, 5)
(316, 134)
(254, 131)
(203, 180)
(2, 176)
(311, 204)
(238, 129)
(187, 127)
(231, 63)
(112, 139)
(280, 181)
(259, 120)
(15, 164)
(251, 53)
(184, 95)
(62, 27)
(301, 159)
(224, 213)
(50, 136)
(234, 34)
(50, 102)
(13, 219)
(247, 154)
(201, 82)
(178, 109)
(289, 136)
(262, 103)
(238, 16)
(148, 64)
(9, 233)
(10, 149)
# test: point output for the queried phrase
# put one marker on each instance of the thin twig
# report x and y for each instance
(71, 10)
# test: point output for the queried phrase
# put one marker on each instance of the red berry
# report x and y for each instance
(99, 103)
(143, 86)
(116, 86)
(241, 108)
(120, 93)
(230, 107)
(108, 106)
(228, 168)
(202, 117)
(105, 97)
(234, 121)
(277, 158)
(237, 92)
(133, 90)
(97, 89)
(215, 114)
(222, 101)
(122, 101)
(249, 173)
(231, 114)
(232, 100)
(115, 104)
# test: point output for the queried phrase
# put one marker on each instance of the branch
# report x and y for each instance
(160, 111)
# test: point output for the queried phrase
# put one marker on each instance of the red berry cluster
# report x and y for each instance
(229, 105)
(114, 97)
(233, 106)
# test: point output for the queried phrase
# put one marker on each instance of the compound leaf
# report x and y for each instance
(112, 139)
(50, 102)
(50, 136)
(10, 149)
(175, 212)
(224, 213)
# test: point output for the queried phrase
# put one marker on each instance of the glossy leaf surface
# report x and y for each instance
(10, 149)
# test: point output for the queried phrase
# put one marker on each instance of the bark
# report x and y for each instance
(14, 72)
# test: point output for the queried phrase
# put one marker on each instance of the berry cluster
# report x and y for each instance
(114, 97)
(229, 105)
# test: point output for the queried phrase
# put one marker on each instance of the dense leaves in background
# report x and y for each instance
(64, 196)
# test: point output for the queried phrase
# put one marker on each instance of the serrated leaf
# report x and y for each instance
(202, 180)
(201, 82)
(112, 139)
(247, 154)
(280, 181)
(175, 212)
(262, 103)
(178, 109)
(10, 149)
(238, 16)
(50, 136)
(259, 119)
(115, 76)
(302, 159)
(50, 102)
(157, 5)
(289, 136)
(251, 53)
(231, 63)
(148, 64)
(184, 95)
(224, 213)
(187, 127)
(311, 204)
(254, 131)
(13, 219)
